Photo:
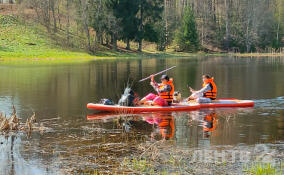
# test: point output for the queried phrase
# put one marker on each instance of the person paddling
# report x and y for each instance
(165, 92)
(207, 93)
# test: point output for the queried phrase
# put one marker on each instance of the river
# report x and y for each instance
(77, 140)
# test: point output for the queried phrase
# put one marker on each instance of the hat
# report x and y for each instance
(165, 77)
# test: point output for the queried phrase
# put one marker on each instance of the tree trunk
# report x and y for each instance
(202, 32)
(68, 22)
(37, 14)
(214, 11)
(107, 39)
(127, 44)
(166, 22)
(248, 42)
(114, 41)
(247, 37)
(278, 25)
(227, 41)
(52, 6)
(45, 13)
(140, 27)
(85, 22)
(140, 45)
(58, 16)
(101, 39)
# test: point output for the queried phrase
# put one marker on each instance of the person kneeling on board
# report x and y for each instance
(165, 90)
(207, 93)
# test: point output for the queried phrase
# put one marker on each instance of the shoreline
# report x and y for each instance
(259, 54)
(106, 56)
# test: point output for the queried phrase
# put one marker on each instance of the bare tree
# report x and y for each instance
(68, 21)
(228, 10)
(52, 7)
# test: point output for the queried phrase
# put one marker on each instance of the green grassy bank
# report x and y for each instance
(22, 42)
(19, 41)
(28, 42)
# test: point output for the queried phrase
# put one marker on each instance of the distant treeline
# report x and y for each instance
(182, 25)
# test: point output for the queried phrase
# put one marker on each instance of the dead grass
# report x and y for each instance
(13, 123)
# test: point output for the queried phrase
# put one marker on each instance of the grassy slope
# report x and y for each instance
(20, 41)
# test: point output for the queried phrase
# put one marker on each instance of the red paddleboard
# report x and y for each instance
(175, 107)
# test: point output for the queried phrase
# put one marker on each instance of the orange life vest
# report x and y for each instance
(209, 123)
(213, 92)
(167, 127)
(168, 96)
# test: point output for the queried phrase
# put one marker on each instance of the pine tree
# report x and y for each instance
(187, 37)
(126, 11)
(150, 12)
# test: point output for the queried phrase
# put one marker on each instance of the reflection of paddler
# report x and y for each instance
(165, 123)
(209, 123)
(167, 127)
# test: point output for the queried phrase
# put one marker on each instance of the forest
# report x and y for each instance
(178, 25)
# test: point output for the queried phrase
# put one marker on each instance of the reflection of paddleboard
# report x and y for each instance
(174, 107)
(109, 116)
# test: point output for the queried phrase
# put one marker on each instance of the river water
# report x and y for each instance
(77, 140)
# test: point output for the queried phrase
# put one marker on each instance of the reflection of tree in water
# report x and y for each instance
(7, 165)
(12, 155)
(194, 129)
(13, 160)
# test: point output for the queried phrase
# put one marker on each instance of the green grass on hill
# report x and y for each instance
(21, 41)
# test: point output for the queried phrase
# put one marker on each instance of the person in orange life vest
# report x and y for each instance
(165, 92)
(207, 93)
(209, 123)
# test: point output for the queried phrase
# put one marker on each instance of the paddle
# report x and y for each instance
(157, 74)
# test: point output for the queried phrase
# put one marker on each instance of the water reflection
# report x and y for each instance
(196, 128)
(203, 128)
(209, 123)
(13, 162)
(163, 124)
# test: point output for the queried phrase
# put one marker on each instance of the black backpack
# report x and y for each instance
(105, 101)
